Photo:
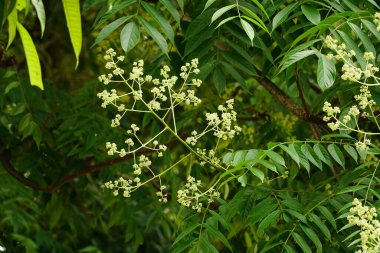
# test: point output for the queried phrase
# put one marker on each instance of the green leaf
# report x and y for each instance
(351, 235)
(336, 154)
(185, 232)
(181, 4)
(248, 30)
(12, 24)
(263, 209)
(24, 122)
(239, 63)
(157, 37)
(40, 9)
(364, 38)
(296, 57)
(32, 60)
(351, 6)
(266, 52)
(275, 157)
(181, 247)
(267, 221)
(292, 153)
(91, 249)
(219, 80)
(221, 11)
(314, 218)
(297, 215)
(295, 50)
(311, 155)
(242, 180)
(251, 155)
(227, 158)
(268, 165)
(225, 21)
(328, 215)
(172, 10)
(199, 24)
(74, 23)
(254, 19)
(337, 136)
(206, 245)
(326, 72)
(374, 3)
(220, 219)
(11, 86)
(351, 189)
(282, 16)
(129, 36)
(241, 50)
(323, 25)
(301, 242)
(195, 43)
(218, 234)
(352, 152)
(289, 249)
(238, 167)
(352, 45)
(257, 3)
(354, 242)
(258, 173)
(239, 156)
(37, 135)
(165, 25)
(234, 74)
(311, 13)
(109, 12)
(208, 3)
(107, 30)
(293, 204)
(370, 26)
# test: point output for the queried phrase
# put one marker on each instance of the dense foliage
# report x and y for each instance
(189, 126)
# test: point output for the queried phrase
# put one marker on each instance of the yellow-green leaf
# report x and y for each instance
(12, 23)
(32, 60)
(74, 23)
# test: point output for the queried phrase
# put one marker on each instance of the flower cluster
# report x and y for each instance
(161, 98)
(127, 186)
(376, 20)
(359, 71)
(224, 124)
(364, 99)
(331, 112)
(191, 195)
(365, 217)
(350, 69)
(209, 155)
(133, 183)
(341, 122)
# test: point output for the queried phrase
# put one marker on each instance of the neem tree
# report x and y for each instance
(215, 133)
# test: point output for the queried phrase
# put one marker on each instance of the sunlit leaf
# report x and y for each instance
(32, 60)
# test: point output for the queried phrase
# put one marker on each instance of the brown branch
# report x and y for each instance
(287, 102)
(300, 93)
(5, 159)
(314, 128)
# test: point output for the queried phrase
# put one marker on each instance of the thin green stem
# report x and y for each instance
(173, 132)
(370, 182)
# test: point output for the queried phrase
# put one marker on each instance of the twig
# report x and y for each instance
(314, 128)
(300, 93)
